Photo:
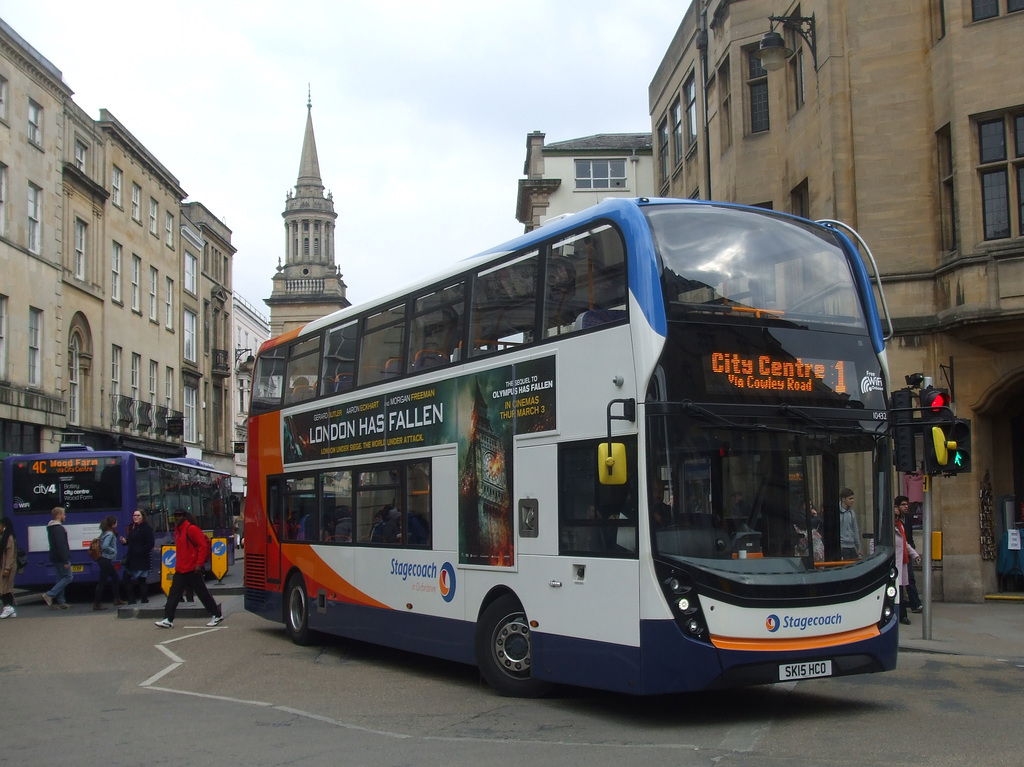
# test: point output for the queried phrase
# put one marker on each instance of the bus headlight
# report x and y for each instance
(683, 604)
(890, 591)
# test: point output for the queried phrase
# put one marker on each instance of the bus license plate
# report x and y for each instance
(809, 670)
(78, 568)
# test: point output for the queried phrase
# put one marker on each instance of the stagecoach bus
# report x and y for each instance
(608, 453)
(91, 485)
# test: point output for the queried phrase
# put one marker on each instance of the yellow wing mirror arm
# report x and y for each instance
(611, 456)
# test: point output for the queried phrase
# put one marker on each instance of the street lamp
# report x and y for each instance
(249, 359)
(773, 51)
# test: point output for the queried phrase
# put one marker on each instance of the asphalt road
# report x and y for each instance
(88, 688)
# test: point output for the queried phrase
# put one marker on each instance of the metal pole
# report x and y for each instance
(926, 557)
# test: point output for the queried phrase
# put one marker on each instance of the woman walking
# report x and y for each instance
(108, 553)
(8, 567)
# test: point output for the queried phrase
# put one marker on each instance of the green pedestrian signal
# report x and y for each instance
(960, 447)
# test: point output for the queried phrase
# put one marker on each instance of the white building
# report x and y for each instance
(569, 176)
(251, 329)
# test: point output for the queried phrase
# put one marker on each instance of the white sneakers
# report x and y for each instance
(166, 624)
(10, 612)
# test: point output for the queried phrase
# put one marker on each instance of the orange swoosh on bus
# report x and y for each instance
(320, 575)
(806, 643)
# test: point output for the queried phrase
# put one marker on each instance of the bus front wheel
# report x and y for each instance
(296, 614)
(503, 651)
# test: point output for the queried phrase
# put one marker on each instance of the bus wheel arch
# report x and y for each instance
(296, 610)
(503, 648)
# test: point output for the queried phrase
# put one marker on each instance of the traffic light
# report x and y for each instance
(902, 425)
(960, 447)
(936, 421)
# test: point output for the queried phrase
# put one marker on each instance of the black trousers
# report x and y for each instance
(193, 580)
(107, 573)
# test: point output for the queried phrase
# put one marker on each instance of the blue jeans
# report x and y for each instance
(63, 579)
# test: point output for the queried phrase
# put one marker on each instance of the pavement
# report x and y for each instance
(993, 628)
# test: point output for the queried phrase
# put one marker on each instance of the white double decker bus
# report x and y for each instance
(608, 453)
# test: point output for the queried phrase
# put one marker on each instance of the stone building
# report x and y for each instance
(101, 291)
(309, 284)
(33, 378)
(906, 122)
(569, 176)
(206, 376)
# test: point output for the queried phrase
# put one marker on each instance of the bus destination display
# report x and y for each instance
(728, 370)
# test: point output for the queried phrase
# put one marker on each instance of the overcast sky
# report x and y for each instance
(420, 108)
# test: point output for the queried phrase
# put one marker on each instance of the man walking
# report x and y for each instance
(190, 550)
(60, 556)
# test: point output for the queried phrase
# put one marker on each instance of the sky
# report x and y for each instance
(420, 109)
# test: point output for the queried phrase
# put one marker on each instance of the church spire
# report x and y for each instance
(309, 165)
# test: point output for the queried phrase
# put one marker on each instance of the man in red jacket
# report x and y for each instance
(190, 549)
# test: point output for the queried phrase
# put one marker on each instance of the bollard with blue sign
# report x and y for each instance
(167, 561)
(219, 557)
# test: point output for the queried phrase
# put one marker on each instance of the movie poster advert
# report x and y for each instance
(394, 421)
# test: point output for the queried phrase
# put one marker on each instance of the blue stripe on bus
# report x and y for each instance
(670, 661)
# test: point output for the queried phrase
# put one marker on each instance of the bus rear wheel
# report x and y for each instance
(503, 650)
(296, 613)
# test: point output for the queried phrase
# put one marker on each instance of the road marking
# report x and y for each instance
(572, 743)
(169, 654)
(337, 723)
(160, 674)
(225, 698)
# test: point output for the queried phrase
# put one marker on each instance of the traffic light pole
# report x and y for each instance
(926, 559)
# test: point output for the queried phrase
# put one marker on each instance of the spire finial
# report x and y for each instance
(309, 96)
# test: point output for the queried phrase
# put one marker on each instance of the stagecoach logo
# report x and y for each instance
(871, 382)
(446, 582)
(427, 577)
(773, 623)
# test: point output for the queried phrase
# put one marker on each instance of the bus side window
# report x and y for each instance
(595, 519)
(586, 282)
(504, 306)
(381, 344)
(339, 368)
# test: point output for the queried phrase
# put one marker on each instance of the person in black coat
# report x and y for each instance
(138, 560)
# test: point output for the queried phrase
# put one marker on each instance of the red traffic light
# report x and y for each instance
(934, 399)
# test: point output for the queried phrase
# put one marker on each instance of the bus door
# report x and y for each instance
(275, 529)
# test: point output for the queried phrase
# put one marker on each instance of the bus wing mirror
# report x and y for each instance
(611, 463)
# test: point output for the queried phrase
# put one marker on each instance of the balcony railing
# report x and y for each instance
(221, 365)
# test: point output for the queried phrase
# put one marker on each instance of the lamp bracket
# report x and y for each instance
(803, 26)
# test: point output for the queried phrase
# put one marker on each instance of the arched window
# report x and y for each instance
(74, 372)
(316, 247)
(305, 246)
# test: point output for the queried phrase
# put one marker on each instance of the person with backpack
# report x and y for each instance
(108, 553)
(60, 556)
(191, 548)
(8, 567)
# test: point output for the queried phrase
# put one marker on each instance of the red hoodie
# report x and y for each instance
(190, 545)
